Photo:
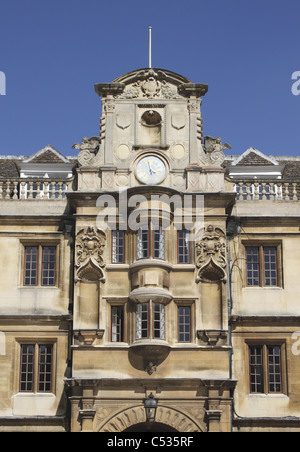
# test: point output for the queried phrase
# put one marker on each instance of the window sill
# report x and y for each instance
(183, 267)
(140, 263)
(38, 288)
(34, 394)
(268, 396)
(263, 288)
(117, 267)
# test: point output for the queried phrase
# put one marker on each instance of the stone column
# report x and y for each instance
(194, 110)
(109, 108)
(87, 413)
(213, 417)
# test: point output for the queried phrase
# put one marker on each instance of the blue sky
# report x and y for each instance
(53, 52)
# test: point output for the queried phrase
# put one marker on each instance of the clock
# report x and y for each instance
(151, 170)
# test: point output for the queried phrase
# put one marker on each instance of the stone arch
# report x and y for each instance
(118, 422)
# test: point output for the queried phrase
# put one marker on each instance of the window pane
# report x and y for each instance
(117, 315)
(252, 257)
(256, 369)
(270, 266)
(183, 247)
(159, 243)
(274, 369)
(184, 323)
(31, 265)
(158, 321)
(27, 367)
(45, 368)
(142, 245)
(48, 266)
(118, 247)
(142, 317)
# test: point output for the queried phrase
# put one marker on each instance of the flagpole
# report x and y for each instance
(150, 47)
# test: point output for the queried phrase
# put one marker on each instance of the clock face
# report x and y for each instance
(151, 170)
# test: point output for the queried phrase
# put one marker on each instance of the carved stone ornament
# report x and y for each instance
(89, 154)
(211, 255)
(151, 87)
(150, 84)
(176, 417)
(89, 255)
(150, 366)
(214, 150)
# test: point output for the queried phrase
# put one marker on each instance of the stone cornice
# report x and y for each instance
(264, 319)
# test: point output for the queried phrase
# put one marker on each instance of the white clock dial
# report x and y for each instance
(151, 170)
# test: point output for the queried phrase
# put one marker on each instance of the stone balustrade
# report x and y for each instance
(34, 189)
(267, 190)
(43, 189)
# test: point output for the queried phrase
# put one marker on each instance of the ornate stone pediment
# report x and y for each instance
(151, 84)
(211, 254)
(89, 254)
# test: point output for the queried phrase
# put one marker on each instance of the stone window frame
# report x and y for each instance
(148, 245)
(115, 246)
(120, 307)
(151, 321)
(261, 244)
(117, 303)
(191, 303)
(40, 244)
(187, 239)
(265, 344)
(181, 306)
(37, 343)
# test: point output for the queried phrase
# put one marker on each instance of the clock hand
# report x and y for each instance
(151, 169)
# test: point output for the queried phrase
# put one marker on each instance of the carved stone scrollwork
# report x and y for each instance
(89, 255)
(211, 255)
(89, 151)
(150, 84)
(214, 151)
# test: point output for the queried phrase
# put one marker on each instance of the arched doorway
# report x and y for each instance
(147, 427)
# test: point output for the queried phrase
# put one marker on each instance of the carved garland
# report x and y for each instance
(89, 255)
(211, 255)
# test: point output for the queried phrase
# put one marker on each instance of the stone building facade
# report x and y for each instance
(151, 263)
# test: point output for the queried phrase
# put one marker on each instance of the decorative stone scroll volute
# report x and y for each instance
(211, 255)
(90, 264)
(90, 154)
(214, 151)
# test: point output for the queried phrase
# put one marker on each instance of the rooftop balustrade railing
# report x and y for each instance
(34, 189)
(267, 190)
